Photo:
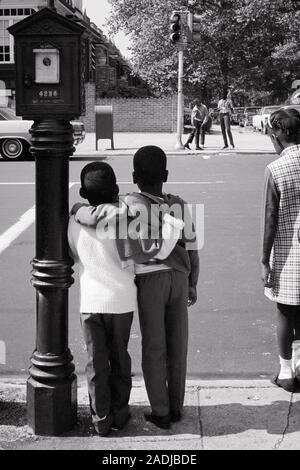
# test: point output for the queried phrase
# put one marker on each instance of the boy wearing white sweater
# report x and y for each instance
(108, 298)
(107, 303)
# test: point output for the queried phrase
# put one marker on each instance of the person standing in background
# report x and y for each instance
(199, 118)
(225, 107)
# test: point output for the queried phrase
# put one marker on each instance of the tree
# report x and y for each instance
(245, 44)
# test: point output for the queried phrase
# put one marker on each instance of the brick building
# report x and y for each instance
(107, 72)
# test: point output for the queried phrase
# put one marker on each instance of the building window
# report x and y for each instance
(5, 41)
(9, 16)
(16, 11)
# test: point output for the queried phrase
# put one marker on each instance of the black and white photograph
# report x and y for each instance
(150, 228)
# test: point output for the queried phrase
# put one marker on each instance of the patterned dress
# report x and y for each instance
(285, 255)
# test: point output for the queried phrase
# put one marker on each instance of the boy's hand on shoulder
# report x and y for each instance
(76, 207)
(192, 296)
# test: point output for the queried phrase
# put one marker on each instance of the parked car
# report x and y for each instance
(15, 138)
(260, 119)
(246, 118)
(237, 112)
(290, 106)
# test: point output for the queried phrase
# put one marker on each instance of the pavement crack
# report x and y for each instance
(280, 441)
(200, 419)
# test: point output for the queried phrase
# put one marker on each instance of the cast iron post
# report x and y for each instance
(51, 388)
(49, 90)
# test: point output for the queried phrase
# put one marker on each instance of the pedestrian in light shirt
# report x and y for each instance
(199, 118)
(225, 107)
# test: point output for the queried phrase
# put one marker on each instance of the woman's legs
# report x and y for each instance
(285, 329)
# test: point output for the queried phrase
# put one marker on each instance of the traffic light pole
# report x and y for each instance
(180, 105)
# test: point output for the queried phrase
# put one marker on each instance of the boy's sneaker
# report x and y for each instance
(104, 426)
(162, 422)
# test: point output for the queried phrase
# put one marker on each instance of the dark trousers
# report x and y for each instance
(162, 301)
(225, 127)
(108, 368)
(197, 132)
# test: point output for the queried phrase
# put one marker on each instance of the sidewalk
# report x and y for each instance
(126, 144)
(218, 415)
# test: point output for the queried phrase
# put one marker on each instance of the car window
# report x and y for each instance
(270, 110)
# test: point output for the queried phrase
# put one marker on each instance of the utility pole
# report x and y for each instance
(185, 27)
(180, 100)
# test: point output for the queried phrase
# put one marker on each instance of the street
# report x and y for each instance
(232, 326)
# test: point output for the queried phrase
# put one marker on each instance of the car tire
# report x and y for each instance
(14, 149)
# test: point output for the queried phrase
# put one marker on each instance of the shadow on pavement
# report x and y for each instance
(219, 420)
(13, 414)
(234, 418)
(138, 426)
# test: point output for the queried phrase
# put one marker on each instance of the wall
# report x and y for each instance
(89, 118)
(138, 114)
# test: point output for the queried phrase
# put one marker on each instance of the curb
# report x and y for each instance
(95, 156)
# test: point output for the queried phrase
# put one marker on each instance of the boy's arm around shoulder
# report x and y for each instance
(85, 214)
(90, 216)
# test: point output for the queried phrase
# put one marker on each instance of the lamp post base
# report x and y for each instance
(179, 145)
(52, 409)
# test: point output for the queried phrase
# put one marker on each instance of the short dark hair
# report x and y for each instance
(98, 183)
(288, 121)
(224, 94)
(150, 163)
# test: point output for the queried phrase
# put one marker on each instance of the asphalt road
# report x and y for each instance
(232, 327)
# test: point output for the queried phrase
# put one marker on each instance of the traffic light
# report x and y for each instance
(195, 26)
(175, 27)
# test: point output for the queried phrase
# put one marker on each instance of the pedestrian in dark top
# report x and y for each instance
(280, 247)
(199, 118)
(225, 107)
(165, 290)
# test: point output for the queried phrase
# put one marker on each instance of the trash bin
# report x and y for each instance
(104, 124)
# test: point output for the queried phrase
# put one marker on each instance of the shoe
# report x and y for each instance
(120, 426)
(186, 146)
(175, 416)
(232, 147)
(104, 426)
(289, 385)
(198, 148)
(225, 147)
(162, 422)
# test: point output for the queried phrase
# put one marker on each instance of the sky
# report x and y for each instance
(98, 11)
